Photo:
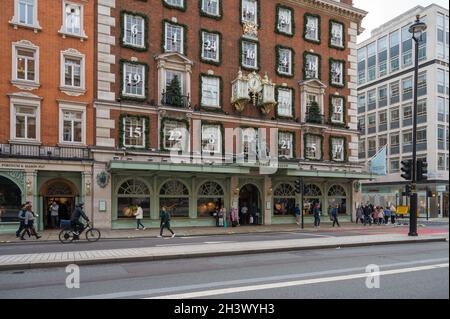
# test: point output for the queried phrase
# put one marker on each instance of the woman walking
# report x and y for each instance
(139, 217)
(30, 217)
(165, 222)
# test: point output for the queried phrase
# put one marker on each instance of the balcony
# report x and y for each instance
(314, 118)
(45, 152)
(176, 101)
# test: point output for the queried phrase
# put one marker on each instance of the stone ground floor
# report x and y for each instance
(192, 193)
(433, 197)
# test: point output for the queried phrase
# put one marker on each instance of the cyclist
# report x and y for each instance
(77, 225)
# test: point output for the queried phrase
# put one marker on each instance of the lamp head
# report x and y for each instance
(417, 28)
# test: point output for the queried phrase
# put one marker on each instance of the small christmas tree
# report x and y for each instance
(174, 92)
(314, 115)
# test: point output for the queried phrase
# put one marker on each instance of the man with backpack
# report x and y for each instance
(165, 222)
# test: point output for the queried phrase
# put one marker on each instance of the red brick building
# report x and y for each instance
(173, 75)
(46, 105)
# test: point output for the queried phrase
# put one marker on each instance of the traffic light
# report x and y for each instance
(298, 186)
(407, 170)
(407, 190)
(422, 170)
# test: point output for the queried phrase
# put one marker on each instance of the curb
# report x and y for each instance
(210, 254)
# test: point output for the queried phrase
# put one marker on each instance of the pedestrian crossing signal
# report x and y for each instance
(298, 186)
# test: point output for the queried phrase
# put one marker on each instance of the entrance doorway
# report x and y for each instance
(64, 194)
(250, 210)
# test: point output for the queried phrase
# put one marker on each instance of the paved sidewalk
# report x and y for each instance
(46, 260)
(52, 235)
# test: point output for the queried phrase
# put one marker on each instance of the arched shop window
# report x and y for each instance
(174, 195)
(131, 193)
(337, 196)
(312, 196)
(10, 200)
(210, 197)
(284, 200)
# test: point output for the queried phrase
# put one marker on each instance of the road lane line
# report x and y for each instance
(147, 292)
(226, 291)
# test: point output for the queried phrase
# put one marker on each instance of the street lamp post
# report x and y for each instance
(416, 29)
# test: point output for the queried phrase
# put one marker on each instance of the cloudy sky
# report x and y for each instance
(381, 11)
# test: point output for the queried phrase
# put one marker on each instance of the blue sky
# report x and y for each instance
(381, 11)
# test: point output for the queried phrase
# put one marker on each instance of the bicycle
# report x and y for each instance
(92, 234)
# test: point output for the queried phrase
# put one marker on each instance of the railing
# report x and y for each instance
(45, 152)
(182, 101)
(314, 118)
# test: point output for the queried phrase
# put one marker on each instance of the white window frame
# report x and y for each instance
(341, 30)
(333, 99)
(245, 54)
(72, 107)
(124, 79)
(210, 47)
(307, 24)
(315, 65)
(282, 101)
(180, 138)
(217, 13)
(63, 31)
(143, 30)
(316, 143)
(218, 144)
(144, 137)
(249, 4)
(217, 88)
(26, 45)
(73, 90)
(289, 61)
(28, 100)
(285, 13)
(341, 65)
(170, 3)
(166, 25)
(15, 20)
(342, 144)
(288, 145)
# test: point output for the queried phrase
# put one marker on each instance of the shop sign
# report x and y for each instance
(21, 166)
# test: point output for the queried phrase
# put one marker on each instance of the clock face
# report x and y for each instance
(254, 84)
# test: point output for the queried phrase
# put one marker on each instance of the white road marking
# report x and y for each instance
(225, 291)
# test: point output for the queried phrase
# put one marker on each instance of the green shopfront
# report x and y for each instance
(193, 192)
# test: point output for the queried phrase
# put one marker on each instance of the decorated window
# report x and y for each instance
(25, 122)
(337, 149)
(134, 129)
(286, 145)
(249, 11)
(73, 18)
(337, 73)
(174, 195)
(211, 138)
(311, 66)
(210, 91)
(336, 34)
(176, 135)
(174, 38)
(313, 147)
(249, 141)
(285, 21)
(211, 7)
(337, 105)
(72, 126)
(175, 3)
(249, 55)
(284, 200)
(134, 30)
(284, 61)
(134, 80)
(284, 105)
(312, 28)
(131, 193)
(210, 46)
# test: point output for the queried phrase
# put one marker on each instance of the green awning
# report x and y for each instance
(350, 175)
(170, 167)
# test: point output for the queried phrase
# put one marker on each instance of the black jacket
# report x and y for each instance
(77, 213)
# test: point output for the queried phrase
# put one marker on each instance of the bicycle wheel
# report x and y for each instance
(66, 236)
(93, 235)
